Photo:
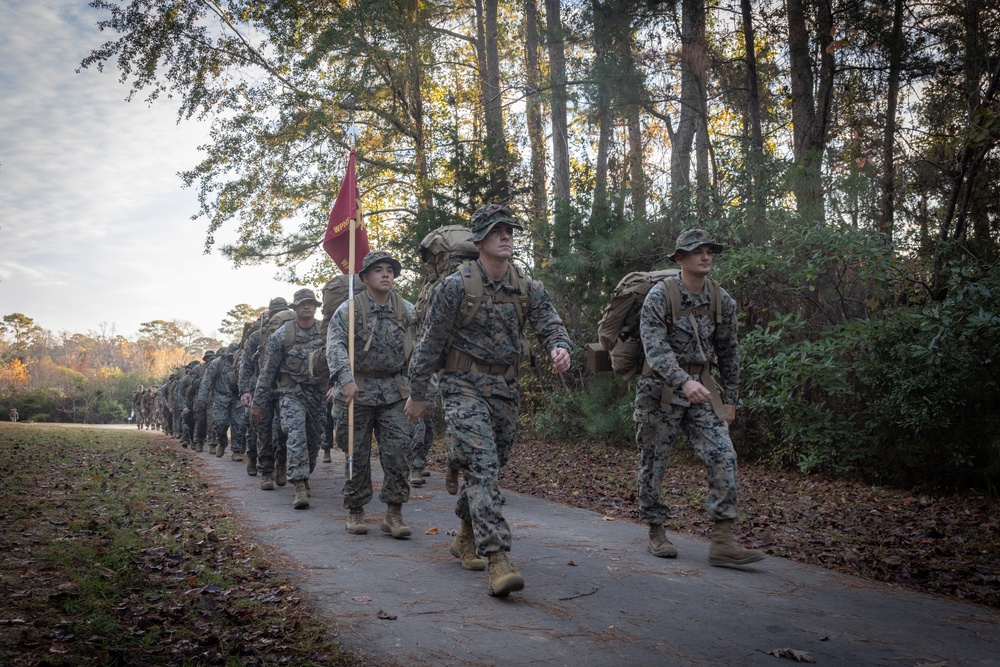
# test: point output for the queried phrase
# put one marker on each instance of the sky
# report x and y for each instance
(95, 224)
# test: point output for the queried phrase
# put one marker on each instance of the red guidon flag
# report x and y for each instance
(337, 240)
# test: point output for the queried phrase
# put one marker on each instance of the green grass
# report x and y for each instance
(113, 553)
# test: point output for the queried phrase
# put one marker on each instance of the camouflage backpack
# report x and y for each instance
(441, 253)
(618, 329)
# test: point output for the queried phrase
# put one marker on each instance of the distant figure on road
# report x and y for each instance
(472, 334)
(678, 392)
(13, 415)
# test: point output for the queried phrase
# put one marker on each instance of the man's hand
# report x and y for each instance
(256, 414)
(696, 392)
(415, 410)
(245, 399)
(560, 360)
(349, 391)
(730, 413)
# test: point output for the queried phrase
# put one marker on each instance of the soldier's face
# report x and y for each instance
(305, 311)
(499, 243)
(697, 261)
(380, 277)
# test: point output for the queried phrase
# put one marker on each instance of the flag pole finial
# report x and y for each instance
(353, 133)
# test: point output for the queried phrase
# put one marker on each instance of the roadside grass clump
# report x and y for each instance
(114, 553)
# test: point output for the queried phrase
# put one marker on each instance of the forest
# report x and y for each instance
(843, 150)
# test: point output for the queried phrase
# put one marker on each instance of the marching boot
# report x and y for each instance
(211, 449)
(220, 449)
(658, 544)
(280, 477)
(725, 551)
(463, 547)
(238, 457)
(267, 481)
(301, 495)
(326, 456)
(251, 466)
(356, 522)
(393, 522)
(451, 480)
(416, 479)
(504, 579)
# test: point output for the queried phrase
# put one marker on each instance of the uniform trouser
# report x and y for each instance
(187, 426)
(270, 445)
(423, 439)
(228, 414)
(656, 432)
(393, 433)
(168, 422)
(200, 424)
(328, 427)
(302, 415)
(481, 434)
(250, 435)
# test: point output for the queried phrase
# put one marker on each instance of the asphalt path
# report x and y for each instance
(593, 594)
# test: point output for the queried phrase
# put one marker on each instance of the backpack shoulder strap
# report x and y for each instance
(289, 339)
(520, 284)
(472, 282)
(716, 296)
(671, 285)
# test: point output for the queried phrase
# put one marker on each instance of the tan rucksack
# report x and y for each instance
(618, 330)
(441, 253)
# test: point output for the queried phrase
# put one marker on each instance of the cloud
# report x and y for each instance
(94, 224)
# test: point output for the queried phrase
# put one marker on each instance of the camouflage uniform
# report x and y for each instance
(137, 406)
(146, 408)
(183, 410)
(673, 354)
(382, 393)
(481, 404)
(265, 443)
(227, 413)
(300, 401)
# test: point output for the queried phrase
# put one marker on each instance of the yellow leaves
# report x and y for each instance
(13, 376)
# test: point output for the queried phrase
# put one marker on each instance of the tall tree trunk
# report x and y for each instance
(694, 64)
(602, 77)
(810, 111)
(896, 47)
(487, 51)
(416, 103)
(631, 87)
(560, 126)
(536, 136)
(756, 182)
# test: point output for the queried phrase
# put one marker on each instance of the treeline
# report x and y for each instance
(90, 377)
(845, 151)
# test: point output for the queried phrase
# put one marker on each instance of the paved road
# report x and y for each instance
(593, 595)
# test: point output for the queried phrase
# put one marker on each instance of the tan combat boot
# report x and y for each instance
(463, 547)
(504, 579)
(326, 456)
(267, 482)
(658, 544)
(251, 466)
(356, 522)
(725, 551)
(393, 522)
(301, 495)
(199, 447)
(237, 457)
(220, 449)
(211, 449)
(416, 479)
(279, 475)
(451, 480)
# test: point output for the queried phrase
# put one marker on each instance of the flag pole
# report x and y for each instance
(352, 132)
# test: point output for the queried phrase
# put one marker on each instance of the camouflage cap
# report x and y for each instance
(694, 238)
(276, 304)
(305, 295)
(192, 364)
(487, 216)
(376, 256)
(209, 354)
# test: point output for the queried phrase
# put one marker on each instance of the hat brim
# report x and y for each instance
(396, 266)
(475, 237)
(717, 248)
(296, 304)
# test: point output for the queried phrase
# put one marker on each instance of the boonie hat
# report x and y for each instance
(376, 256)
(692, 239)
(276, 304)
(305, 295)
(486, 216)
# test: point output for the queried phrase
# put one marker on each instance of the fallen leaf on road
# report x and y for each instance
(362, 598)
(385, 615)
(571, 564)
(791, 654)
(607, 518)
(431, 531)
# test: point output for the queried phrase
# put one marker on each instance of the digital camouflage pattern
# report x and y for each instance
(284, 375)
(227, 413)
(668, 346)
(481, 410)
(378, 407)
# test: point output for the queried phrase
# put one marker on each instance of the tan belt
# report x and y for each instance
(704, 374)
(460, 362)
